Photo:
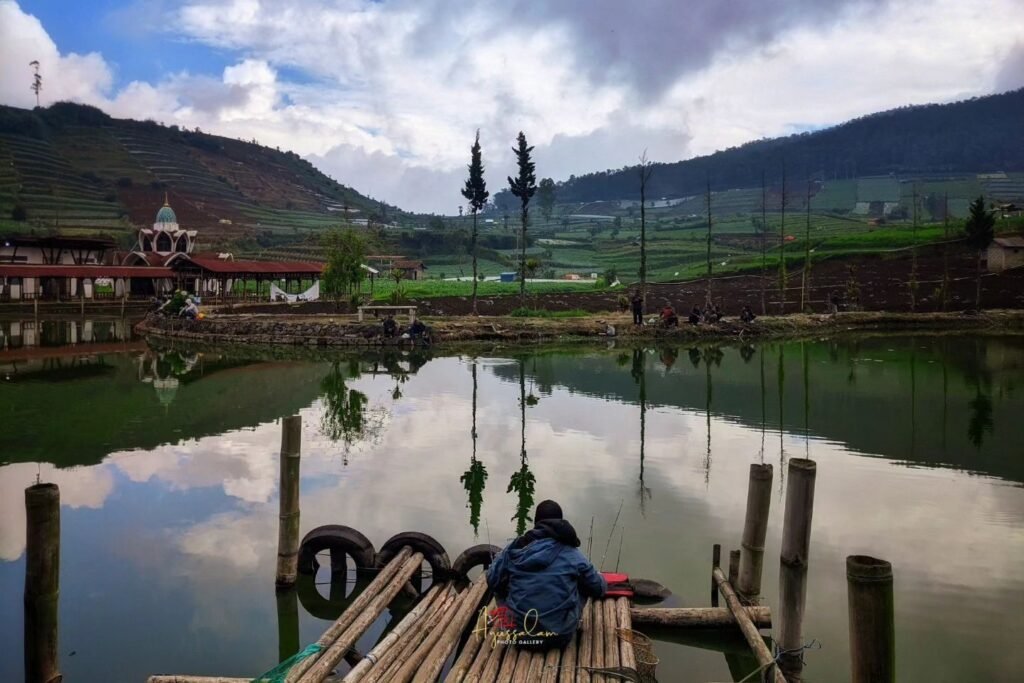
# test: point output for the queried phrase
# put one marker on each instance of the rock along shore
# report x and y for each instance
(341, 331)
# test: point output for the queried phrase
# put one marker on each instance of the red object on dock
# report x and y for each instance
(618, 585)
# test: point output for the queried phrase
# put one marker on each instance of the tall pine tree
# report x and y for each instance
(523, 186)
(476, 194)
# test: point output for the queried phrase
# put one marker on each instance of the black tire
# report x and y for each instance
(340, 596)
(433, 552)
(340, 540)
(476, 556)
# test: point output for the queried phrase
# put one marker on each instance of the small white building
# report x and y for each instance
(1005, 253)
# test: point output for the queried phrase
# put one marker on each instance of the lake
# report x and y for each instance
(167, 463)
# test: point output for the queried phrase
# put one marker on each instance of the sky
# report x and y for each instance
(386, 95)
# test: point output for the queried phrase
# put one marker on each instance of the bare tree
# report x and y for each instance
(37, 79)
(764, 244)
(913, 253)
(782, 247)
(805, 281)
(707, 296)
(644, 171)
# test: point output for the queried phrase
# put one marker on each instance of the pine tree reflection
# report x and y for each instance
(474, 479)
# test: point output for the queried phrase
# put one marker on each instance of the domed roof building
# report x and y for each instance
(164, 239)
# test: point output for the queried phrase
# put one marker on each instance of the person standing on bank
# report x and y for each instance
(637, 305)
(543, 579)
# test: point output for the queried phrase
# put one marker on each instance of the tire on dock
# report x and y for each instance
(475, 556)
(340, 540)
(433, 552)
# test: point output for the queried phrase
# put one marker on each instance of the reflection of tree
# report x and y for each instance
(694, 355)
(782, 416)
(807, 400)
(346, 417)
(981, 418)
(747, 352)
(475, 477)
(711, 355)
(639, 373)
(764, 412)
(522, 481)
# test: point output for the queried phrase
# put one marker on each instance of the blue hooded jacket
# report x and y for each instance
(543, 570)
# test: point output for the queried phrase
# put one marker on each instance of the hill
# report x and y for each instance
(977, 135)
(72, 168)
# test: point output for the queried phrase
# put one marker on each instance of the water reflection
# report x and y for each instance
(174, 507)
(474, 479)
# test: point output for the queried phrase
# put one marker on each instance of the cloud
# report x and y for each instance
(85, 78)
(387, 96)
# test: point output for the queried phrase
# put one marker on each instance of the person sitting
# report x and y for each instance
(695, 316)
(747, 315)
(668, 316)
(390, 326)
(543, 575)
(190, 310)
(712, 314)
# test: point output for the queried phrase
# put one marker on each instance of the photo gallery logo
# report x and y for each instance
(499, 624)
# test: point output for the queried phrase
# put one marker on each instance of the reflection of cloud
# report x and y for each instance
(86, 487)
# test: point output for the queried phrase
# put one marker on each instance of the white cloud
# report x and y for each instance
(84, 78)
(392, 93)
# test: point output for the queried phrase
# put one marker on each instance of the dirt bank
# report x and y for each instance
(326, 331)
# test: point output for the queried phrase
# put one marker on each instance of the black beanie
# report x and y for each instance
(548, 509)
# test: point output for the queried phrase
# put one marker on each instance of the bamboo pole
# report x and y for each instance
(288, 518)
(42, 583)
(750, 632)
(550, 665)
(374, 656)
(337, 640)
(734, 566)
(872, 632)
(449, 637)
(476, 669)
(796, 544)
(585, 656)
(287, 623)
(611, 635)
(195, 679)
(463, 664)
(716, 561)
(397, 657)
(698, 617)
(567, 667)
(627, 657)
(495, 662)
(598, 651)
(524, 658)
(508, 665)
(755, 527)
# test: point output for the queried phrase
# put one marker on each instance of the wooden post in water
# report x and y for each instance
(872, 631)
(288, 524)
(796, 543)
(716, 561)
(287, 622)
(42, 582)
(734, 566)
(755, 526)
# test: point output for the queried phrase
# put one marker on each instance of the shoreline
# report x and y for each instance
(344, 331)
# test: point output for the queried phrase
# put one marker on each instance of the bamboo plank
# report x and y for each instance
(567, 667)
(698, 617)
(750, 632)
(397, 656)
(508, 665)
(611, 637)
(389, 641)
(349, 615)
(549, 670)
(330, 657)
(449, 637)
(598, 652)
(495, 662)
(627, 657)
(585, 656)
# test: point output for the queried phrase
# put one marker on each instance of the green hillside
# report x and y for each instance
(72, 169)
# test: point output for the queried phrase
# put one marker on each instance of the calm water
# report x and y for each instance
(167, 465)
